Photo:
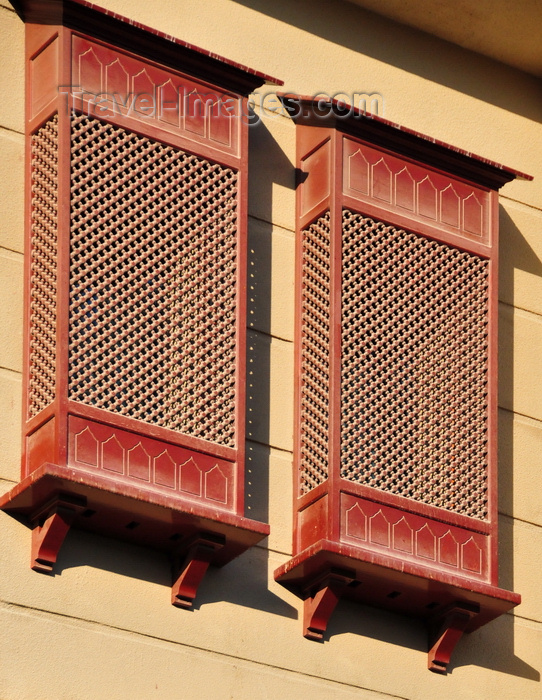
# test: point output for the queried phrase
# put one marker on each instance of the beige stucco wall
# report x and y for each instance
(103, 627)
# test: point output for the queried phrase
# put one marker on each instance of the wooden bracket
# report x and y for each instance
(50, 525)
(323, 596)
(191, 562)
(445, 630)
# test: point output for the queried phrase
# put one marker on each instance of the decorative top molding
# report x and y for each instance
(111, 84)
(423, 194)
(314, 111)
(151, 43)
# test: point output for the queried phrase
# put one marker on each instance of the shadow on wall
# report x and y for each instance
(406, 48)
(515, 254)
(491, 646)
(268, 166)
(241, 582)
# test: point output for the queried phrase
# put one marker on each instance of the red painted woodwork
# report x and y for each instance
(134, 391)
(395, 455)
(398, 186)
(134, 458)
(445, 630)
(194, 559)
(431, 542)
(128, 512)
(50, 525)
(112, 84)
(322, 598)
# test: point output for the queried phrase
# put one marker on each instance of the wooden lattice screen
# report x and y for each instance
(134, 406)
(395, 454)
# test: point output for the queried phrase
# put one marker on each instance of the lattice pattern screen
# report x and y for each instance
(43, 279)
(153, 282)
(414, 368)
(315, 354)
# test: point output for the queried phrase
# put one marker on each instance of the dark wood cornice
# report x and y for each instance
(407, 142)
(86, 17)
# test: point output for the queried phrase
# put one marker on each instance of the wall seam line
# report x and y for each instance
(266, 221)
(519, 308)
(518, 201)
(7, 128)
(101, 625)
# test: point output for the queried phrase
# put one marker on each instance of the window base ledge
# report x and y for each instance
(54, 498)
(450, 605)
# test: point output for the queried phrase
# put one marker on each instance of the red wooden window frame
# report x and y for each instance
(370, 540)
(101, 465)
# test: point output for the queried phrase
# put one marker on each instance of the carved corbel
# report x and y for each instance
(322, 598)
(445, 630)
(190, 566)
(50, 525)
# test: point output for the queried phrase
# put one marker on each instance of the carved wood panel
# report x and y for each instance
(317, 186)
(406, 535)
(131, 457)
(118, 85)
(43, 74)
(406, 188)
